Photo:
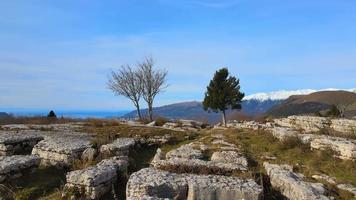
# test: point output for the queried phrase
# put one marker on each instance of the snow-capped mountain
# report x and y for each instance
(284, 94)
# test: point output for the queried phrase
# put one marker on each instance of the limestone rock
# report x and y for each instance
(13, 142)
(344, 126)
(345, 148)
(231, 157)
(14, 165)
(160, 184)
(291, 184)
(95, 181)
(185, 151)
(61, 150)
(119, 147)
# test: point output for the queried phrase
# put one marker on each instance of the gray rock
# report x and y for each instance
(160, 184)
(119, 147)
(291, 184)
(11, 166)
(12, 142)
(185, 151)
(96, 181)
(229, 157)
(61, 150)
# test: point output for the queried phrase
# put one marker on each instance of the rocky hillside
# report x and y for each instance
(314, 103)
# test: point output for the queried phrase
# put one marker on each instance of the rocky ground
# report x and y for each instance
(291, 158)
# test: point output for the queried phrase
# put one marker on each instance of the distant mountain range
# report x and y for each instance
(194, 110)
(279, 103)
(3, 114)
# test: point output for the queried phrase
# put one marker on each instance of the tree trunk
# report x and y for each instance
(150, 113)
(138, 112)
(224, 117)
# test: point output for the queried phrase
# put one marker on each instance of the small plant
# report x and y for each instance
(292, 142)
(160, 121)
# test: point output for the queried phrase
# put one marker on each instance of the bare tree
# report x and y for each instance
(153, 82)
(126, 82)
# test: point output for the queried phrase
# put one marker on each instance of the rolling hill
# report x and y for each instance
(315, 102)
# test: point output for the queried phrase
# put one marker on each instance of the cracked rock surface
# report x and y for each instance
(157, 184)
(291, 184)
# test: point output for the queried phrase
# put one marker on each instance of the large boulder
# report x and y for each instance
(291, 184)
(159, 184)
(17, 142)
(119, 147)
(94, 182)
(13, 166)
(61, 151)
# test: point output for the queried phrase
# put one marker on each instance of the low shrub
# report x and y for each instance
(160, 121)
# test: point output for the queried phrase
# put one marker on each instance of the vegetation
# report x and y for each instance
(153, 82)
(145, 82)
(223, 93)
(126, 82)
(51, 114)
(259, 145)
(43, 182)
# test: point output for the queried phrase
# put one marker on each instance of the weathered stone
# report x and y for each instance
(325, 177)
(119, 147)
(229, 157)
(344, 126)
(160, 184)
(283, 133)
(96, 181)
(17, 142)
(291, 184)
(306, 123)
(158, 156)
(151, 124)
(89, 154)
(11, 166)
(248, 125)
(185, 151)
(61, 151)
(346, 149)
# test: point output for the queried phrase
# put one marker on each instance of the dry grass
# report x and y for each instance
(180, 169)
(35, 120)
(256, 145)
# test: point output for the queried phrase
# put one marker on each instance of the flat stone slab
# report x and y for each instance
(16, 142)
(345, 148)
(229, 157)
(13, 165)
(61, 150)
(185, 151)
(96, 180)
(291, 184)
(119, 147)
(157, 184)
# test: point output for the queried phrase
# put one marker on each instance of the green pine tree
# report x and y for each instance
(223, 93)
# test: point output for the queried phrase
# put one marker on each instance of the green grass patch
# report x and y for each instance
(42, 182)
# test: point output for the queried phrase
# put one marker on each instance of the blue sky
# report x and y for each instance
(58, 54)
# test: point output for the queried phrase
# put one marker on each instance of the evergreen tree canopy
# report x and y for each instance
(223, 93)
(52, 114)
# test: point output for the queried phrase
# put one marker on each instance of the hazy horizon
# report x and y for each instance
(58, 54)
